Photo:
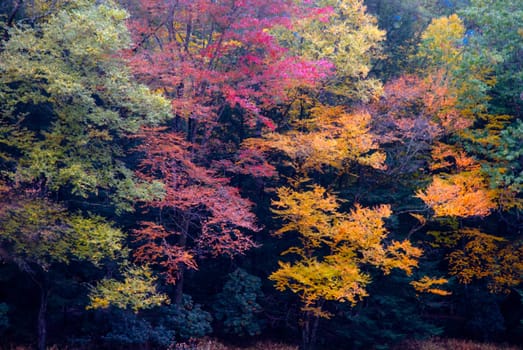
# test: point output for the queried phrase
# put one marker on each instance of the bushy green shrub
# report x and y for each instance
(130, 328)
(236, 305)
(187, 319)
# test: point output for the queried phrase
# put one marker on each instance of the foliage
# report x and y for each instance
(391, 313)
(331, 137)
(487, 256)
(494, 28)
(237, 304)
(194, 197)
(213, 54)
(187, 122)
(348, 37)
(135, 292)
(352, 240)
(187, 319)
(81, 99)
(128, 328)
(42, 233)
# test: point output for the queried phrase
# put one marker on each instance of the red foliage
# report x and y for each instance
(200, 214)
(205, 54)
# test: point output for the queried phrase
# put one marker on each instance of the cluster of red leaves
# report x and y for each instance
(201, 213)
(205, 54)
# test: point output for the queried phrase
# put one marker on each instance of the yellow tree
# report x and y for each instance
(335, 247)
(348, 37)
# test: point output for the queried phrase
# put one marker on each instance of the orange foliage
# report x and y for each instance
(426, 285)
(445, 156)
(420, 109)
(462, 195)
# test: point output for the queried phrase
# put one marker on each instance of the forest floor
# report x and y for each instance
(432, 344)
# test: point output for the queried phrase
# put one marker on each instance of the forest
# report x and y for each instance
(269, 174)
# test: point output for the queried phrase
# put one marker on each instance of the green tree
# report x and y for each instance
(68, 104)
(237, 304)
(495, 26)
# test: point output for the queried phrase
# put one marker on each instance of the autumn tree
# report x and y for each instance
(334, 248)
(206, 56)
(199, 213)
(350, 39)
(67, 105)
(462, 184)
(216, 62)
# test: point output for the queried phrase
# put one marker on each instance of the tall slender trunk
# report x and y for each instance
(182, 242)
(309, 331)
(178, 289)
(42, 324)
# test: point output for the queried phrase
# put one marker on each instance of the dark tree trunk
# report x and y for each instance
(182, 242)
(42, 324)
(309, 331)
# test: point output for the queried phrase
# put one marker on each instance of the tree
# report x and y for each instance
(462, 186)
(212, 60)
(206, 56)
(493, 28)
(37, 235)
(199, 213)
(334, 248)
(68, 105)
(348, 37)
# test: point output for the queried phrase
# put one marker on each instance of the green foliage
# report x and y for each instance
(40, 232)
(390, 315)
(67, 89)
(187, 319)
(236, 305)
(495, 26)
(128, 328)
(505, 152)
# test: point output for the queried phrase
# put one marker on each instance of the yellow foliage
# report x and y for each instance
(441, 41)
(331, 137)
(334, 247)
(485, 256)
(425, 285)
(350, 39)
(310, 213)
(137, 291)
(420, 218)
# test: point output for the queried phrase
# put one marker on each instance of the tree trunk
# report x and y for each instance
(309, 331)
(182, 242)
(42, 326)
